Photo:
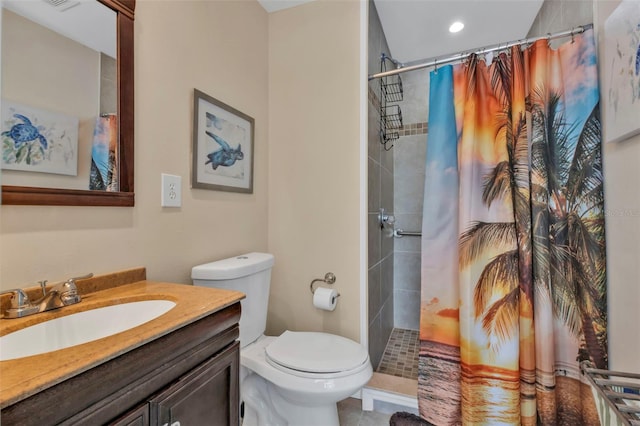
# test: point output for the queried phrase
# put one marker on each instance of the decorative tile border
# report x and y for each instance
(414, 129)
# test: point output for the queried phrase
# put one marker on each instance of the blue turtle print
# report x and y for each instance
(225, 156)
(638, 60)
(25, 132)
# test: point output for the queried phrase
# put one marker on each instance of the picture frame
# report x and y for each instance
(222, 152)
(38, 140)
(620, 71)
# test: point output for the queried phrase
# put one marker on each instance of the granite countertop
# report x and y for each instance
(23, 377)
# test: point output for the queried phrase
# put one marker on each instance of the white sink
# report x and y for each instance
(79, 328)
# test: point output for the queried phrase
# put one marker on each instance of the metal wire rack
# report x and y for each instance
(617, 395)
(390, 115)
(392, 88)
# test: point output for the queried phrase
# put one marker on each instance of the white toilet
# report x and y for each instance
(293, 379)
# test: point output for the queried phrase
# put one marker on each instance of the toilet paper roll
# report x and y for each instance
(325, 298)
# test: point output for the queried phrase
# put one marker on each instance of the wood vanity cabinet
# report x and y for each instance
(187, 377)
(201, 397)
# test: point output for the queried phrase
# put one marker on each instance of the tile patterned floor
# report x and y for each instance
(400, 357)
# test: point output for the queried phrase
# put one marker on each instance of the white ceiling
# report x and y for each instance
(419, 29)
(415, 29)
(89, 22)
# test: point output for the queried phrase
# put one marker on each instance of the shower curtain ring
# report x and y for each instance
(435, 66)
(548, 39)
(573, 35)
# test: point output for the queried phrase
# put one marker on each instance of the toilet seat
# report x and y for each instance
(314, 354)
(300, 397)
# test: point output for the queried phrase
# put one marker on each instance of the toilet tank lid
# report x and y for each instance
(233, 267)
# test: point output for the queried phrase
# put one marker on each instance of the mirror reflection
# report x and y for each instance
(59, 95)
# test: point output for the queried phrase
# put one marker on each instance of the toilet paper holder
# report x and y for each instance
(329, 278)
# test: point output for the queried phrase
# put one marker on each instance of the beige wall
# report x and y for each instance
(226, 50)
(314, 175)
(218, 47)
(622, 203)
(45, 70)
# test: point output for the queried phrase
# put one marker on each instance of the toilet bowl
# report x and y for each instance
(296, 378)
(279, 381)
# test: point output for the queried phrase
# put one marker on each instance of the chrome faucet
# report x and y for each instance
(61, 294)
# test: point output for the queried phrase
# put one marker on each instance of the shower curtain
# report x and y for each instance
(513, 249)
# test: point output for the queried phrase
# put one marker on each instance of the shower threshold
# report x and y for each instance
(395, 381)
(394, 390)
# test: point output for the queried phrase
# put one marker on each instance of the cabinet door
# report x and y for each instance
(136, 417)
(208, 395)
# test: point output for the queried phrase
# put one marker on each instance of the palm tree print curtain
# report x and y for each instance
(513, 250)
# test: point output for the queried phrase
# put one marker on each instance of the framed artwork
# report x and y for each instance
(38, 140)
(621, 72)
(222, 146)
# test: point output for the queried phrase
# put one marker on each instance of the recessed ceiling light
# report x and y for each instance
(456, 27)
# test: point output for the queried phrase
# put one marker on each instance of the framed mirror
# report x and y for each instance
(24, 138)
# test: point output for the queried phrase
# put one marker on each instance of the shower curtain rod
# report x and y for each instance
(426, 63)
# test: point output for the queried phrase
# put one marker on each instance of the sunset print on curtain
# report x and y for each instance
(513, 254)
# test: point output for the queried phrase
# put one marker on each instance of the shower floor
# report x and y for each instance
(400, 356)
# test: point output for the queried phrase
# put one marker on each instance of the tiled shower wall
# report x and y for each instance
(108, 85)
(409, 171)
(380, 184)
(396, 183)
(561, 15)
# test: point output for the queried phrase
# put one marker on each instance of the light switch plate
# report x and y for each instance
(171, 195)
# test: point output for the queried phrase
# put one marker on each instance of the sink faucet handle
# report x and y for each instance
(43, 285)
(19, 298)
(70, 284)
(70, 297)
(69, 291)
(83, 277)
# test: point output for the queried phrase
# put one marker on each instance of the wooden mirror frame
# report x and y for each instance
(24, 195)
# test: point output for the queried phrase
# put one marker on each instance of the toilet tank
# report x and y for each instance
(249, 273)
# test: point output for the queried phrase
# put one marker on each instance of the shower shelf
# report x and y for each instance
(390, 123)
(388, 136)
(390, 114)
(392, 117)
(392, 88)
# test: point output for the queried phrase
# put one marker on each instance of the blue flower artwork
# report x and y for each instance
(38, 140)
